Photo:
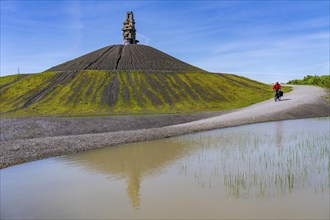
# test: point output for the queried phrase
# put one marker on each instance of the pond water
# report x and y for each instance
(268, 170)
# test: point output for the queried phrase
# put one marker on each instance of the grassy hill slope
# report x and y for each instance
(98, 92)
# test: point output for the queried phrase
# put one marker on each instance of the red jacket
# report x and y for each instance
(277, 86)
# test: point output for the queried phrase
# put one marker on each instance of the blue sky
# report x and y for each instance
(262, 40)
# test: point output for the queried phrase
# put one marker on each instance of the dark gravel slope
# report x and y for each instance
(129, 57)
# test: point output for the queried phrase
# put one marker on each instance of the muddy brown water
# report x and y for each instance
(268, 171)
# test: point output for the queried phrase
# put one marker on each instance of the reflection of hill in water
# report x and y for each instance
(247, 162)
(133, 161)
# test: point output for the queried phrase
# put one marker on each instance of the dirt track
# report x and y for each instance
(302, 102)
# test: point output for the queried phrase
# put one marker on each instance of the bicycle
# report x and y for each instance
(278, 95)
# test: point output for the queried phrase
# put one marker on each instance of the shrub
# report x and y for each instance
(322, 81)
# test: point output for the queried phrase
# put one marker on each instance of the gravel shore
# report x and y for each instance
(28, 139)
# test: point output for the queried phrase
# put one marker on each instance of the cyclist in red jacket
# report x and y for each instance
(277, 87)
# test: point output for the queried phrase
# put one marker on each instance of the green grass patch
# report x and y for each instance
(93, 92)
(8, 79)
(18, 93)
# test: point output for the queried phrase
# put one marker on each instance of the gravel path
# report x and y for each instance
(302, 102)
(53, 139)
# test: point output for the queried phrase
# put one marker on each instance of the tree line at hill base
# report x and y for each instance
(322, 81)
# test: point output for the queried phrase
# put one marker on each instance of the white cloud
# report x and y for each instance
(272, 57)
